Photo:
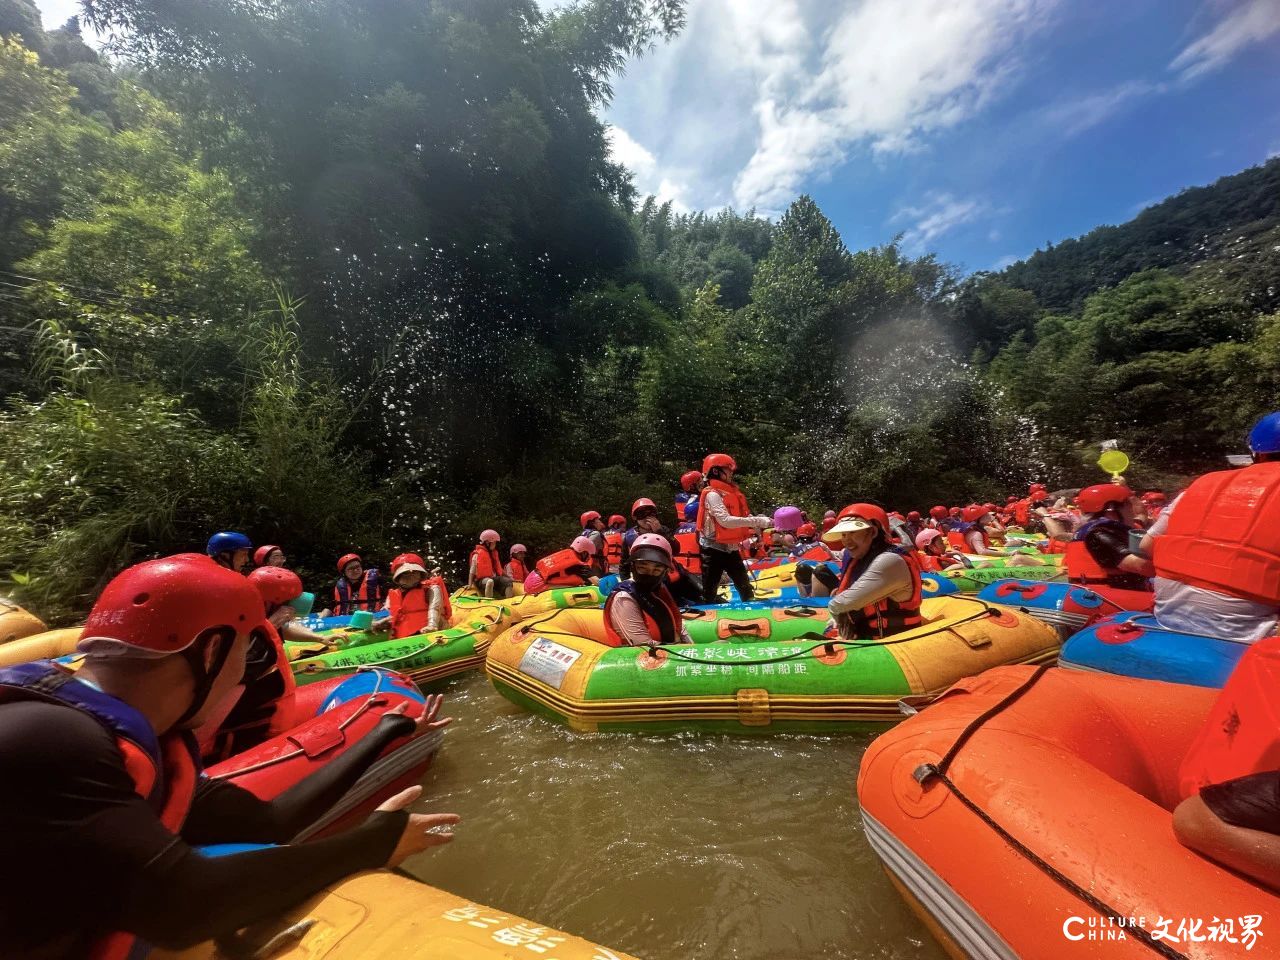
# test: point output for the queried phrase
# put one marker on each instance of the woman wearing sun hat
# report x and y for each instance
(879, 590)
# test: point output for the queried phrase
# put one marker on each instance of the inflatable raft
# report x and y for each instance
(386, 916)
(558, 668)
(1028, 814)
(466, 601)
(1135, 645)
(16, 623)
(1067, 606)
(973, 579)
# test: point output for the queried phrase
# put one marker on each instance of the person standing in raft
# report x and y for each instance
(112, 800)
(724, 521)
(593, 529)
(484, 573)
(570, 567)
(516, 567)
(1216, 548)
(357, 588)
(230, 550)
(879, 590)
(418, 603)
(641, 612)
(1099, 554)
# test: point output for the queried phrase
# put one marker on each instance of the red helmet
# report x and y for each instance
(973, 512)
(913, 515)
(163, 606)
(1153, 496)
(617, 518)
(276, 585)
(689, 481)
(591, 516)
(954, 511)
(1011, 499)
(641, 504)
(583, 545)
(807, 530)
(1095, 499)
(263, 554)
(1038, 486)
(829, 513)
(867, 512)
(828, 523)
(407, 561)
(718, 460)
(650, 542)
(938, 513)
(989, 507)
(346, 558)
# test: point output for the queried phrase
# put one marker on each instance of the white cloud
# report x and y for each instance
(1008, 260)
(1071, 117)
(624, 149)
(939, 213)
(1274, 151)
(1248, 22)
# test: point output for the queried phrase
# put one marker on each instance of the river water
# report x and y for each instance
(672, 847)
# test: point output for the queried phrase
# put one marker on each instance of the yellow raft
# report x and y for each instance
(16, 623)
(557, 667)
(41, 646)
(384, 916)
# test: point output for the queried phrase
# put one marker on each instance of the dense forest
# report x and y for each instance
(362, 275)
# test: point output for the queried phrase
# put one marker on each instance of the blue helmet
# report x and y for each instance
(1265, 435)
(227, 541)
(691, 511)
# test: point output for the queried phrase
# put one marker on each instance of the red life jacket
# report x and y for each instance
(164, 770)
(1223, 535)
(816, 552)
(886, 617)
(411, 609)
(613, 547)
(661, 615)
(554, 569)
(488, 563)
(1241, 735)
(1022, 512)
(689, 552)
(957, 540)
(365, 597)
(735, 503)
(518, 570)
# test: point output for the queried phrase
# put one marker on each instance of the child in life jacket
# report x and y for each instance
(931, 547)
(418, 603)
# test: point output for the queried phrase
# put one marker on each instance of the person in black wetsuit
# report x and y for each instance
(103, 799)
(1099, 554)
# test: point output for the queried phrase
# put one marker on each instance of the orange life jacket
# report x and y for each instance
(411, 609)
(554, 569)
(1242, 732)
(689, 552)
(933, 563)
(734, 502)
(661, 615)
(613, 547)
(886, 617)
(1223, 535)
(347, 601)
(488, 563)
(1022, 512)
(518, 570)
(1083, 569)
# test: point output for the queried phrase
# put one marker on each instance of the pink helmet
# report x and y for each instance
(926, 537)
(829, 513)
(489, 536)
(787, 518)
(583, 545)
(643, 546)
(518, 548)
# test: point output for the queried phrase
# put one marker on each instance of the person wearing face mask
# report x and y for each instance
(879, 590)
(105, 798)
(641, 611)
(724, 521)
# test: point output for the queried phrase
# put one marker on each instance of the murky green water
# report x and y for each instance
(670, 848)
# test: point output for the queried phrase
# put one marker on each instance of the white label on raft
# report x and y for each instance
(548, 661)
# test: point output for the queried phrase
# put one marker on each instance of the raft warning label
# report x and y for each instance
(548, 661)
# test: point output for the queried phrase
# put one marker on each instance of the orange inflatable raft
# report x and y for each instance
(1027, 813)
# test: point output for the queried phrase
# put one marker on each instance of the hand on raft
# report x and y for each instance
(418, 833)
(430, 712)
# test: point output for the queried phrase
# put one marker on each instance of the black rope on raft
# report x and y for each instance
(928, 772)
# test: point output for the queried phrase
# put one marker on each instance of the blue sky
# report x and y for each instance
(978, 129)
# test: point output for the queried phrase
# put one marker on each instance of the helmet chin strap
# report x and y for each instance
(205, 677)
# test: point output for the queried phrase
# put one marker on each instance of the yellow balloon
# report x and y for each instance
(1113, 461)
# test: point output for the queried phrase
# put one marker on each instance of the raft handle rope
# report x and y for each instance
(926, 772)
(364, 708)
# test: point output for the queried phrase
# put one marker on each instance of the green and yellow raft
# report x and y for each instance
(973, 579)
(558, 668)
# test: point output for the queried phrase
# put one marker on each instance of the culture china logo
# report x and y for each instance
(1246, 930)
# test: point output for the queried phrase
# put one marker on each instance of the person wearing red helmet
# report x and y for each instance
(484, 571)
(682, 578)
(418, 600)
(688, 554)
(970, 534)
(1154, 501)
(613, 536)
(111, 796)
(691, 484)
(1099, 554)
(641, 611)
(570, 567)
(809, 548)
(357, 588)
(269, 556)
(913, 524)
(938, 518)
(879, 590)
(724, 521)
(593, 528)
(517, 567)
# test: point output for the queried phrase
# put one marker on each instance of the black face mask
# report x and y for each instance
(648, 582)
